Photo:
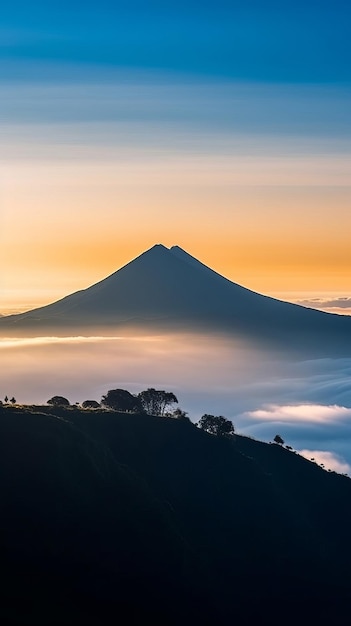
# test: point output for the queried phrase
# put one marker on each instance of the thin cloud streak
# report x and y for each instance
(20, 342)
(314, 113)
(343, 302)
(197, 171)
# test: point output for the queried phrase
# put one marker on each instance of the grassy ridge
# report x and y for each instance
(106, 512)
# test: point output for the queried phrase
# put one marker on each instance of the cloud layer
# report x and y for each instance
(308, 413)
(329, 460)
(307, 402)
(341, 305)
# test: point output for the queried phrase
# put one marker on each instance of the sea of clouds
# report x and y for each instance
(307, 402)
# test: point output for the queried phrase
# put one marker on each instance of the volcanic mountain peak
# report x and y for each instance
(169, 288)
(160, 253)
(155, 249)
(182, 255)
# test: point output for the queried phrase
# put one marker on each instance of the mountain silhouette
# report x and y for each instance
(169, 289)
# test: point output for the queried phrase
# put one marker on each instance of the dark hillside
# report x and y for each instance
(105, 512)
(80, 533)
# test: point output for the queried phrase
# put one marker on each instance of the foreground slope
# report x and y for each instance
(170, 290)
(107, 514)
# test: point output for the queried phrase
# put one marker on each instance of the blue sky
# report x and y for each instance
(250, 41)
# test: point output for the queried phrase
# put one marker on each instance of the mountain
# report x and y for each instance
(168, 289)
(123, 518)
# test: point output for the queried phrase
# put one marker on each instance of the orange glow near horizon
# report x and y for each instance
(273, 225)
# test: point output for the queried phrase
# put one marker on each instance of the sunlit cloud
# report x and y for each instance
(330, 460)
(301, 413)
(315, 429)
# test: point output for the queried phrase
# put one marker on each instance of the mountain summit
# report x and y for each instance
(170, 289)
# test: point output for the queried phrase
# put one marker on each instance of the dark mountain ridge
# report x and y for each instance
(170, 290)
(111, 517)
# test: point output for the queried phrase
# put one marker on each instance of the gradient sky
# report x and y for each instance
(223, 127)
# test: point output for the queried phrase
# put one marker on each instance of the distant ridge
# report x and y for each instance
(169, 289)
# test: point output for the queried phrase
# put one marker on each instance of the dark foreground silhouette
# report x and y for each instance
(111, 518)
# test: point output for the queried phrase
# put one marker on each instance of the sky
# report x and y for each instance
(222, 127)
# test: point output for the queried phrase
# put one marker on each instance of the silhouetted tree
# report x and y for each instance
(90, 404)
(279, 440)
(13, 400)
(58, 401)
(122, 400)
(155, 401)
(216, 425)
(179, 414)
(6, 399)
